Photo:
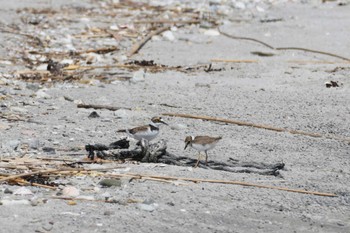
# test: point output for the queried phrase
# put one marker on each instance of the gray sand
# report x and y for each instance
(272, 91)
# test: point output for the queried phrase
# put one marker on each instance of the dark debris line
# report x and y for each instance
(156, 153)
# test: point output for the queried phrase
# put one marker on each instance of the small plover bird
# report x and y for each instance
(202, 143)
(147, 132)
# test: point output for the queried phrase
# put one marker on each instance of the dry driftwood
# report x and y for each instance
(156, 153)
(267, 127)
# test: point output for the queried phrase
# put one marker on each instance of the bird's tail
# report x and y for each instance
(122, 131)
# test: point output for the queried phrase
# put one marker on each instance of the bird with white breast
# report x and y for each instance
(146, 132)
(202, 143)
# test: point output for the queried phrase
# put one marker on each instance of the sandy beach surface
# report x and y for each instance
(278, 88)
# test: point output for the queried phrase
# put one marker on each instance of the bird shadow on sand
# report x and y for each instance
(156, 153)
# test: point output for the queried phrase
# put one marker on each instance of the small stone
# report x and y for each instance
(108, 213)
(170, 203)
(71, 202)
(106, 195)
(240, 5)
(37, 201)
(94, 114)
(8, 191)
(67, 61)
(41, 94)
(114, 27)
(178, 126)
(88, 198)
(34, 144)
(42, 67)
(168, 35)
(4, 62)
(138, 76)
(19, 110)
(49, 150)
(93, 58)
(147, 207)
(33, 86)
(110, 183)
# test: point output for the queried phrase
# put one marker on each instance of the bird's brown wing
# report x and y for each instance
(205, 139)
(138, 129)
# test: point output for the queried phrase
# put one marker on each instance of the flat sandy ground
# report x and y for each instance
(286, 90)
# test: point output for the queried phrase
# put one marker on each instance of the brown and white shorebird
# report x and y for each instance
(147, 132)
(202, 143)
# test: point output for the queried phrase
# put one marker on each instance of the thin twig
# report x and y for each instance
(98, 50)
(167, 21)
(234, 61)
(97, 106)
(140, 44)
(282, 48)
(157, 177)
(267, 127)
(314, 51)
(245, 38)
(289, 61)
(317, 62)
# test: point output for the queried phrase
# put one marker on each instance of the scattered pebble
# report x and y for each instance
(94, 114)
(168, 35)
(8, 191)
(330, 84)
(41, 94)
(19, 110)
(110, 183)
(178, 126)
(147, 207)
(108, 213)
(139, 76)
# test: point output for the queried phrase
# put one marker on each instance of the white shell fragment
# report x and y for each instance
(70, 191)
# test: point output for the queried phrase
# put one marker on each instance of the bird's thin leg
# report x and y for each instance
(206, 158)
(199, 157)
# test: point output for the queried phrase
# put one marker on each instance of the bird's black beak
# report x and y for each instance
(164, 123)
(187, 143)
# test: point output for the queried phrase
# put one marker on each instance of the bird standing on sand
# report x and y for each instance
(202, 143)
(147, 132)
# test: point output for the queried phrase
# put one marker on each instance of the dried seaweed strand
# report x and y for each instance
(267, 127)
(140, 44)
(282, 48)
(98, 50)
